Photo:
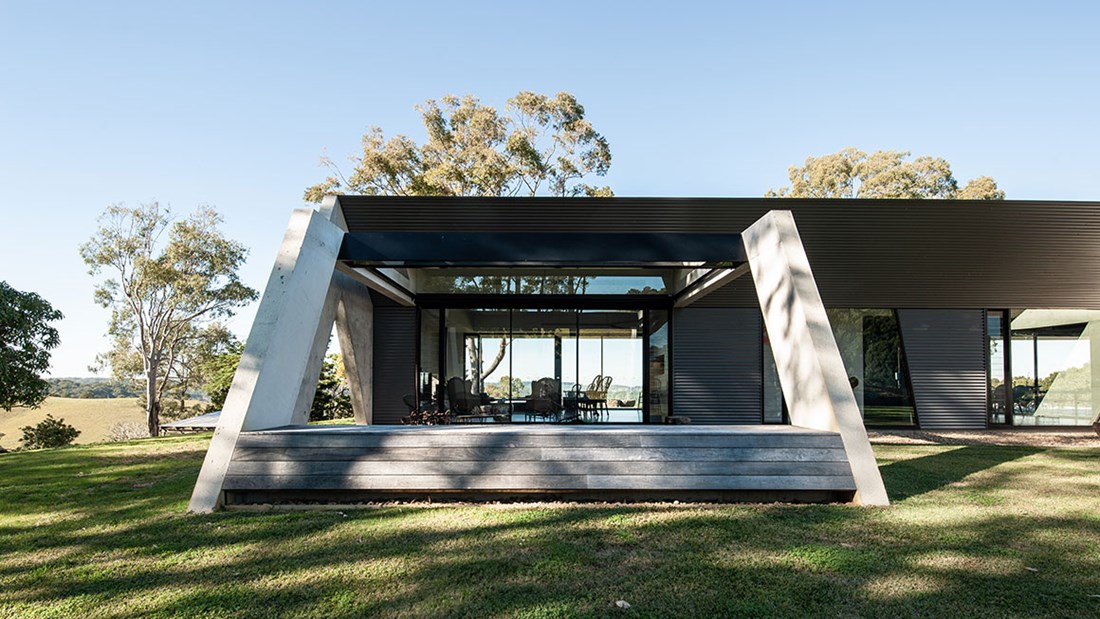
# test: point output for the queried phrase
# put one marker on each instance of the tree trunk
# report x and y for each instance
(152, 403)
(500, 357)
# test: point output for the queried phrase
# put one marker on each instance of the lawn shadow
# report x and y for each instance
(915, 476)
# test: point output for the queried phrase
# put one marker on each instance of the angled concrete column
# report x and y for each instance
(267, 386)
(316, 358)
(811, 372)
(355, 331)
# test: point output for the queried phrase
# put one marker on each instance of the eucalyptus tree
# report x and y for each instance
(163, 280)
(539, 145)
(853, 173)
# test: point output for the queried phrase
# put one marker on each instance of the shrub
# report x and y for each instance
(49, 432)
(128, 431)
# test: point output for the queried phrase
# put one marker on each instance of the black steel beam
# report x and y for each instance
(526, 249)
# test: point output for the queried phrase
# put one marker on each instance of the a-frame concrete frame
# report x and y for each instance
(277, 376)
(308, 291)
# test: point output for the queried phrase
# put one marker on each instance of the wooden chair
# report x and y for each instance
(545, 399)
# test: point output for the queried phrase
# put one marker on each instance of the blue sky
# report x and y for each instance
(231, 104)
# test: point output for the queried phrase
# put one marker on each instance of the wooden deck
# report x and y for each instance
(613, 462)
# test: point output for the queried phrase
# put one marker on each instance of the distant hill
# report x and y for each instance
(91, 388)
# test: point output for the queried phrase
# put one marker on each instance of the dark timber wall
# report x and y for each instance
(716, 362)
(394, 361)
(865, 253)
(945, 350)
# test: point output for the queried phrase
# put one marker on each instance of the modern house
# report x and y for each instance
(653, 347)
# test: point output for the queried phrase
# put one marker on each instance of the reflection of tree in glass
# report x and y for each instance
(505, 387)
(647, 290)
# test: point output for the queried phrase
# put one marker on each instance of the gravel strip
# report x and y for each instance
(1075, 437)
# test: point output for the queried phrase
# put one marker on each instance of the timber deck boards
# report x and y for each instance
(532, 459)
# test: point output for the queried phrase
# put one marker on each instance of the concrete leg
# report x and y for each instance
(270, 376)
(317, 352)
(355, 332)
(811, 371)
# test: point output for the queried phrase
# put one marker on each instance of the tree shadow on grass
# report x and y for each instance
(912, 477)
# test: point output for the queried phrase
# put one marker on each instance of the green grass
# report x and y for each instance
(100, 531)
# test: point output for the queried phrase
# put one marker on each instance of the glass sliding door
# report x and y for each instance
(999, 395)
(542, 365)
(610, 348)
(1054, 367)
(659, 367)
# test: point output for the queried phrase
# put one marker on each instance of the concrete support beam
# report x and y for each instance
(355, 332)
(714, 282)
(269, 381)
(811, 372)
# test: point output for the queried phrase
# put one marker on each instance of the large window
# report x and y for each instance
(1053, 369)
(874, 359)
(592, 361)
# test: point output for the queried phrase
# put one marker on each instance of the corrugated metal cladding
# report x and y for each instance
(716, 365)
(946, 352)
(865, 253)
(394, 361)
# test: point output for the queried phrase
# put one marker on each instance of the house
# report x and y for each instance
(653, 347)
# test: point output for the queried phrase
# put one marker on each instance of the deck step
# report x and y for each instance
(377, 460)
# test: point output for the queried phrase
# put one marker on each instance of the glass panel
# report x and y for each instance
(545, 281)
(658, 365)
(998, 394)
(773, 393)
(610, 347)
(870, 346)
(429, 380)
(1052, 367)
(476, 360)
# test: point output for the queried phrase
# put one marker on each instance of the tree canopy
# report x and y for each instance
(26, 339)
(853, 173)
(540, 143)
(161, 291)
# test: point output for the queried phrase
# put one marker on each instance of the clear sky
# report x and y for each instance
(232, 103)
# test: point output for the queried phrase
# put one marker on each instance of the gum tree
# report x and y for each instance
(853, 173)
(539, 145)
(163, 279)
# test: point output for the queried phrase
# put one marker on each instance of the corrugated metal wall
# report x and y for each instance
(716, 364)
(946, 351)
(865, 253)
(394, 361)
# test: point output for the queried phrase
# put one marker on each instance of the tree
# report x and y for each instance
(26, 339)
(541, 143)
(332, 400)
(189, 373)
(852, 173)
(219, 371)
(160, 290)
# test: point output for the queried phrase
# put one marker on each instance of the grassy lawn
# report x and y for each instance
(101, 531)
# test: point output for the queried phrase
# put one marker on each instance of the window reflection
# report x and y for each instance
(1052, 367)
